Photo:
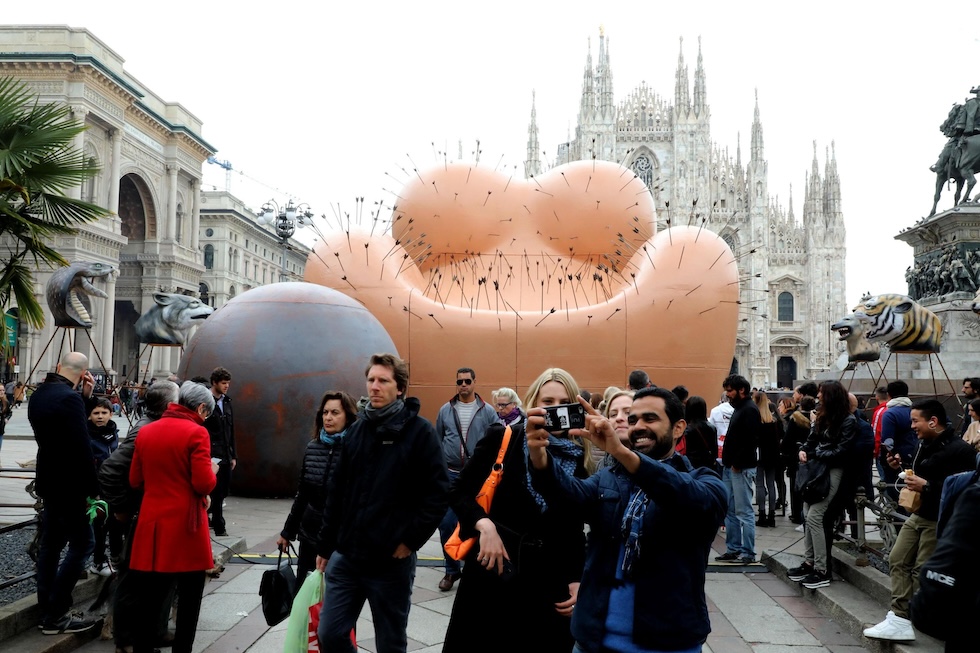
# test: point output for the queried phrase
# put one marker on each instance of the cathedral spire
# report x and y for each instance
(738, 150)
(791, 216)
(682, 90)
(813, 199)
(758, 150)
(587, 107)
(832, 185)
(700, 93)
(532, 166)
(605, 84)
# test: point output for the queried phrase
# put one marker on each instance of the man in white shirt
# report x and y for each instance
(720, 416)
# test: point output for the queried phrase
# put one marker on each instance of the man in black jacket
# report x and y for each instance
(740, 458)
(221, 426)
(387, 495)
(941, 453)
(65, 481)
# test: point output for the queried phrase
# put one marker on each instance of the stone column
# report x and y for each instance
(170, 232)
(196, 217)
(117, 137)
(78, 113)
(108, 322)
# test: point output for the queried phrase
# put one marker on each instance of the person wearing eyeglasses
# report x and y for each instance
(509, 406)
(461, 422)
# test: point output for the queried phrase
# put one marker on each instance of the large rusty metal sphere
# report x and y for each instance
(285, 344)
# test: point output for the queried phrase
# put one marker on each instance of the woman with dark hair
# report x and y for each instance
(831, 440)
(972, 435)
(336, 413)
(700, 436)
(797, 423)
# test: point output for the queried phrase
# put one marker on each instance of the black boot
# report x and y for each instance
(762, 521)
(771, 521)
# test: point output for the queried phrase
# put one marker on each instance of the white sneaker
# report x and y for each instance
(892, 628)
(799, 528)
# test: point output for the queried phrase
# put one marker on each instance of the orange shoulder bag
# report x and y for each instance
(457, 548)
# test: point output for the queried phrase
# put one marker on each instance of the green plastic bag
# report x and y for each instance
(301, 628)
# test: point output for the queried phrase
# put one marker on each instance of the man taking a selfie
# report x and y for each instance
(652, 519)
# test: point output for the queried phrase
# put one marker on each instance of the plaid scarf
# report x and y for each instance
(633, 529)
(567, 454)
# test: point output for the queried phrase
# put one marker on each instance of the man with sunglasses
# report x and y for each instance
(461, 423)
(652, 518)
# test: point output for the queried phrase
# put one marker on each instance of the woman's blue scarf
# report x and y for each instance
(329, 439)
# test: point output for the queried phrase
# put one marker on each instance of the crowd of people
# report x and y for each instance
(597, 538)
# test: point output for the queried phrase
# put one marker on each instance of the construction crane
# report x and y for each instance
(227, 166)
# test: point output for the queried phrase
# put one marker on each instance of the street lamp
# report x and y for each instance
(286, 220)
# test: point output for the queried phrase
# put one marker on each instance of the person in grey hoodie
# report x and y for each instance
(461, 423)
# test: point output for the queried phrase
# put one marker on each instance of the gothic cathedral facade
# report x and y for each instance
(792, 273)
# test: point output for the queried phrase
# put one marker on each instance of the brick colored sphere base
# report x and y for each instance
(285, 344)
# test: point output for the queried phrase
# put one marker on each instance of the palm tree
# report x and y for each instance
(38, 163)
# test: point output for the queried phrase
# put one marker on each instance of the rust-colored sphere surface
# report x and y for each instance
(511, 276)
(285, 344)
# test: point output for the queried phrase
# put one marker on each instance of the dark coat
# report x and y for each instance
(689, 504)
(795, 435)
(103, 440)
(65, 473)
(770, 438)
(702, 444)
(742, 438)
(832, 445)
(935, 461)
(114, 474)
(547, 550)
(306, 514)
(389, 488)
(221, 429)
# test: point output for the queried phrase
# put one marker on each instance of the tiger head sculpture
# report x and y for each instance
(902, 323)
(852, 329)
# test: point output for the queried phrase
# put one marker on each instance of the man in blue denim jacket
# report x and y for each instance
(652, 517)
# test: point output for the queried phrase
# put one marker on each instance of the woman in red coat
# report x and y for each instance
(171, 546)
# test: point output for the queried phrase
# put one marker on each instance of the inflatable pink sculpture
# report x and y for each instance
(511, 276)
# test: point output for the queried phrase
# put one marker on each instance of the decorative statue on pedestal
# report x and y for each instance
(68, 291)
(960, 157)
(170, 318)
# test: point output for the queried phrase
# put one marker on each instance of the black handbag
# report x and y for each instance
(276, 589)
(813, 481)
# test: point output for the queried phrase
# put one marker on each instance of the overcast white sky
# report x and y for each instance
(325, 103)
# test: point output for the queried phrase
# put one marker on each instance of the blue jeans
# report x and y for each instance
(387, 587)
(61, 526)
(446, 528)
(740, 520)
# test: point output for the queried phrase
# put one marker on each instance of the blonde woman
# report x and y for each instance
(530, 554)
(770, 437)
(617, 411)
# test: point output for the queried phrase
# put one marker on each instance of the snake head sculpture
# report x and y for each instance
(68, 291)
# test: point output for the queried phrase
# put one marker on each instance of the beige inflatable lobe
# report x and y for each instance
(511, 276)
